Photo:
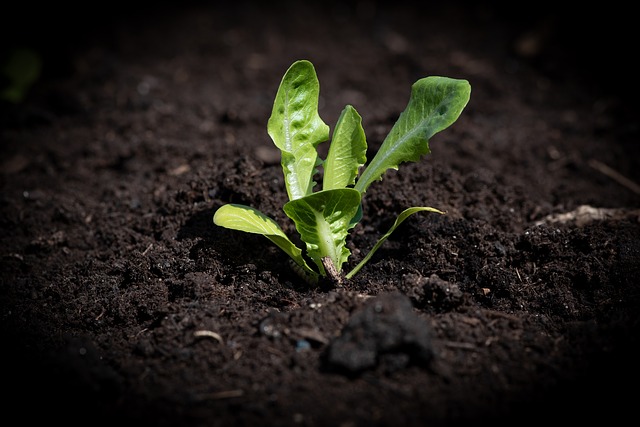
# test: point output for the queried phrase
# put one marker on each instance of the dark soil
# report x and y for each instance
(122, 303)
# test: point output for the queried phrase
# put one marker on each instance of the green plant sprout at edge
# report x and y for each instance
(323, 218)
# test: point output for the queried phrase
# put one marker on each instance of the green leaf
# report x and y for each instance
(347, 152)
(322, 219)
(403, 215)
(250, 220)
(296, 128)
(435, 103)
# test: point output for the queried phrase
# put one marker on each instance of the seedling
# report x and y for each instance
(323, 218)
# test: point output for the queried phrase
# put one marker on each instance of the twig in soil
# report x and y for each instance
(499, 314)
(210, 334)
(142, 331)
(146, 251)
(461, 345)
(615, 175)
(585, 214)
(227, 394)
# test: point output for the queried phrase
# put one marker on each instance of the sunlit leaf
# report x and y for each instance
(347, 152)
(250, 220)
(399, 220)
(435, 103)
(296, 128)
(322, 219)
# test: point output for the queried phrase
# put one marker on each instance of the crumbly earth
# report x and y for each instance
(122, 303)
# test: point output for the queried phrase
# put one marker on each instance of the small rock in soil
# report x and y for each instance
(385, 329)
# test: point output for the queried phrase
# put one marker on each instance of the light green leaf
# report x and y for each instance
(403, 215)
(296, 128)
(250, 220)
(347, 152)
(435, 103)
(322, 219)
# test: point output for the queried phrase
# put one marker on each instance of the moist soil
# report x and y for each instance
(121, 301)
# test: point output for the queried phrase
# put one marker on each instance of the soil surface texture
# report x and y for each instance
(121, 303)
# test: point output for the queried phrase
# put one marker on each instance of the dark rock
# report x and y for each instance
(385, 327)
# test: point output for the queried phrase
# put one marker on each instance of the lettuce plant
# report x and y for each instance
(323, 218)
